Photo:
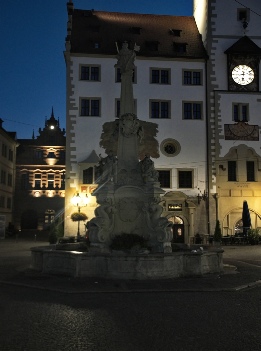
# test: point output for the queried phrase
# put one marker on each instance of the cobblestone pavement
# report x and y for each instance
(217, 312)
(40, 320)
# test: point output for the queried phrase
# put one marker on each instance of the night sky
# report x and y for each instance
(32, 67)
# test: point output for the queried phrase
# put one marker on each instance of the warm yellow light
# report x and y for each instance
(78, 200)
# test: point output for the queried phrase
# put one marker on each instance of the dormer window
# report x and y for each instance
(180, 48)
(175, 32)
(243, 14)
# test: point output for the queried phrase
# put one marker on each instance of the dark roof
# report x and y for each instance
(244, 46)
(167, 33)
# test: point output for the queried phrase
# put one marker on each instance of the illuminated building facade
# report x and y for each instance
(40, 174)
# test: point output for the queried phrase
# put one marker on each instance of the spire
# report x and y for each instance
(33, 137)
(52, 115)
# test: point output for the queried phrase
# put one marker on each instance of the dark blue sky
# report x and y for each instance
(32, 67)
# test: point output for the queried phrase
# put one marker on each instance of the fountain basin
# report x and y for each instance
(122, 265)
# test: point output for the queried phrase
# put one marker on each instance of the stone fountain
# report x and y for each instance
(128, 197)
(129, 192)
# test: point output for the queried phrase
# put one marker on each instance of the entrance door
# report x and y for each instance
(178, 233)
(178, 230)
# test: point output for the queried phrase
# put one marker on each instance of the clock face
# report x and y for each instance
(243, 75)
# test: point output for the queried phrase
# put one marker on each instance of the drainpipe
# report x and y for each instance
(207, 150)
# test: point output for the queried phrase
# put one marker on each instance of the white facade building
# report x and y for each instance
(169, 89)
(232, 37)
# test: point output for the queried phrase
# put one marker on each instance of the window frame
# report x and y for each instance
(192, 103)
(160, 102)
(192, 78)
(187, 170)
(4, 150)
(160, 76)
(90, 100)
(241, 115)
(250, 173)
(241, 11)
(171, 142)
(232, 171)
(169, 172)
(3, 176)
(89, 78)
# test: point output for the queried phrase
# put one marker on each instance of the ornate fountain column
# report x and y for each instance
(129, 192)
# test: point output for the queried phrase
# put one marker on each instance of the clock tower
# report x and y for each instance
(231, 34)
(243, 59)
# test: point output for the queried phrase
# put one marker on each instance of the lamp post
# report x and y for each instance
(79, 201)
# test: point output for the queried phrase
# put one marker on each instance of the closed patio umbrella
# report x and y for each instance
(246, 218)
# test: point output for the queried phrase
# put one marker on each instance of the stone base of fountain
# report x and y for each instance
(131, 265)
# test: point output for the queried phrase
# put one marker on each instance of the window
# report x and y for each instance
(240, 112)
(38, 154)
(91, 73)
(243, 14)
(88, 176)
(250, 166)
(180, 48)
(118, 107)
(24, 181)
(90, 107)
(37, 181)
(118, 75)
(9, 179)
(159, 76)
(3, 177)
(192, 110)
(4, 150)
(159, 109)
(185, 179)
(175, 32)
(164, 178)
(9, 203)
(170, 147)
(2, 201)
(50, 180)
(192, 77)
(11, 155)
(232, 171)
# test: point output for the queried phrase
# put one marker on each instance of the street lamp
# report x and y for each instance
(80, 201)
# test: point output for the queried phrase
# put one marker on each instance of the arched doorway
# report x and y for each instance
(178, 229)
